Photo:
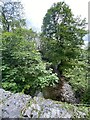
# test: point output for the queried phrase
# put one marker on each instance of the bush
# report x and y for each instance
(22, 66)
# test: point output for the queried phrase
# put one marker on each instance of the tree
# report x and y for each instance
(22, 67)
(12, 15)
(62, 37)
(28, 34)
(86, 98)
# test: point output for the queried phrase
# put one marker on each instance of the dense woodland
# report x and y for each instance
(32, 61)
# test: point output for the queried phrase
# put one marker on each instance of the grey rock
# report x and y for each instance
(23, 106)
(46, 108)
(67, 93)
(4, 94)
(12, 104)
(40, 94)
(1, 110)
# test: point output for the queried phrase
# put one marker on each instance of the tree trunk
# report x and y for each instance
(58, 70)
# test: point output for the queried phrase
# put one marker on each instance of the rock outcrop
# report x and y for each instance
(61, 92)
(23, 106)
(12, 104)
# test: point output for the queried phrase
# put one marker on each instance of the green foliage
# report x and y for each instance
(22, 67)
(63, 36)
(77, 79)
(61, 43)
(86, 98)
(78, 73)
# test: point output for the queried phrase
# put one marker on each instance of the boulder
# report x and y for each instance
(11, 104)
(67, 93)
(61, 92)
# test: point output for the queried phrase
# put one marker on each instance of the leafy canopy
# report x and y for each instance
(22, 66)
(62, 36)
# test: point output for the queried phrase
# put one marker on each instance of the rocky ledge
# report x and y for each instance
(23, 106)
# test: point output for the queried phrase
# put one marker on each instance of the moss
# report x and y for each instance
(75, 110)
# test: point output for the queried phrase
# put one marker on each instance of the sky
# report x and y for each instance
(35, 10)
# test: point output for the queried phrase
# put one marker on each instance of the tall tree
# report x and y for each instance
(62, 37)
(12, 15)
